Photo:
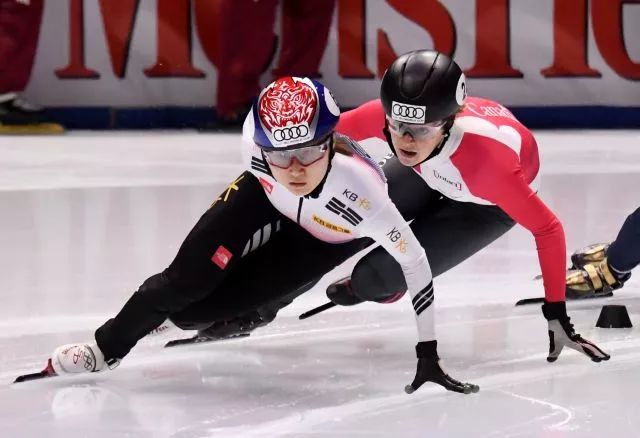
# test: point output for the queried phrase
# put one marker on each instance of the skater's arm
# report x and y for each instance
(501, 181)
(389, 229)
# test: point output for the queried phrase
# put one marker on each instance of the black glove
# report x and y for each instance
(429, 371)
(561, 334)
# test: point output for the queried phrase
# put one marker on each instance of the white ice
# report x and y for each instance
(87, 217)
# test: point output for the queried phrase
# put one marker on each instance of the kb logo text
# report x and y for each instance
(394, 235)
(350, 195)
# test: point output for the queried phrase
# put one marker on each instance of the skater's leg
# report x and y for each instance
(624, 252)
(210, 252)
(269, 279)
(450, 233)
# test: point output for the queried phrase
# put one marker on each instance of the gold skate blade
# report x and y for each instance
(34, 129)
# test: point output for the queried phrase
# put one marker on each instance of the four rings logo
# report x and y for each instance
(290, 133)
(406, 111)
(403, 112)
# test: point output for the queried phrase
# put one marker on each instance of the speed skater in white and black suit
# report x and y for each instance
(278, 227)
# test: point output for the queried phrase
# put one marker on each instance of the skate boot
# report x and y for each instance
(590, 255)
(238, 327)
(20, 117)
(341, 293)
(79, 358)
(594, 280)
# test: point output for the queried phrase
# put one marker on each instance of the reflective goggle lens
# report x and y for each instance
(422, 131)
(305, 156)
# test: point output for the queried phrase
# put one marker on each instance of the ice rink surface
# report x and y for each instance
(86, 217)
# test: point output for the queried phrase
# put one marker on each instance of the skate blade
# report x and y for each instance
(35, 129)
(201, 340)
(540, 300)
(47, 372)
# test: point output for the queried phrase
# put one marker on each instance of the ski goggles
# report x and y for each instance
(305, 156)
(416, 131)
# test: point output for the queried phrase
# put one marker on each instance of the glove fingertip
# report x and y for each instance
(552, 359)
(409, 389)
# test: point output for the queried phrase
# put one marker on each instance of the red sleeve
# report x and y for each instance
(504, 184)
(365, 121)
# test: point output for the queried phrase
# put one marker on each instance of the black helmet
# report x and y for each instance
(422, 86)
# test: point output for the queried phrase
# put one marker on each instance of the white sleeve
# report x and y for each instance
(389, 229)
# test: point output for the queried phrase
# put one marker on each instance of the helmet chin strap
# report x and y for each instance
(433, 153)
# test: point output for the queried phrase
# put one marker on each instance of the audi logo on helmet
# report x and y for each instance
(290, 133)
(404, 112)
